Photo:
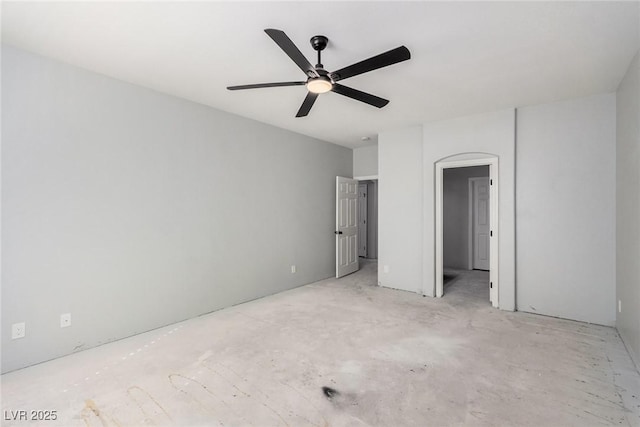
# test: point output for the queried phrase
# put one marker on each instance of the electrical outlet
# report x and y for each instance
(18, 330)
(619, 306)
(65, 320)
(385, 269)
(293, 269)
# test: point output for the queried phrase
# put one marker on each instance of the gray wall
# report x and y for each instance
(455, 216)
(628, 208)
(400, 220)
(365, 161)
(566, 209)
(132, 210)
(565, 191)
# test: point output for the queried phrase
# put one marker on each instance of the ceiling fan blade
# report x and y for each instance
(290, 49)
(260, 85)
(367, 98)
(391, 57)
(307, 104)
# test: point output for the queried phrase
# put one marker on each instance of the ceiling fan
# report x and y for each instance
(320, 80)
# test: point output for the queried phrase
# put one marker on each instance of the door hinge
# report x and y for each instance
(490, 182)
(491, 285)
(491, 233)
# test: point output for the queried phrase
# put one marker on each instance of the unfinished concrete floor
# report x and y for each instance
(385, 358)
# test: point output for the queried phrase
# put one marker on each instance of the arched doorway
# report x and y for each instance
(468, 160)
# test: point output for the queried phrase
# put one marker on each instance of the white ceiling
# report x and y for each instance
(467, 57)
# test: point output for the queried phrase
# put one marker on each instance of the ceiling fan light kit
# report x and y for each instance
(320, 81)
(320, 84)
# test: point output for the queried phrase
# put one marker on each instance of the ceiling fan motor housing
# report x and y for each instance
(319, 42)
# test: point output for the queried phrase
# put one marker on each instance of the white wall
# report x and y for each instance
(365, 161)
(131, 209)
(566, 209)
(491, 133)
(628, 208)
(400, 216)
(455, 201)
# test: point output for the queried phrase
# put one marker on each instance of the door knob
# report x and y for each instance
(338, 232)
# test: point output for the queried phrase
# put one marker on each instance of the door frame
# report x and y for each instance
(492, 162)
(372, 215)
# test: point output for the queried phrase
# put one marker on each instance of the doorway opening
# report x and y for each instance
(466, 231)
(356, 223)
(368, 219)
(467, 221)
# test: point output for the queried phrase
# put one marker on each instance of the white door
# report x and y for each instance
(481, 224)
(346, 226)
(362, 220)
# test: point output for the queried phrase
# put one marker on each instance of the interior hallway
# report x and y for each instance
(384, 357)
(466, 287)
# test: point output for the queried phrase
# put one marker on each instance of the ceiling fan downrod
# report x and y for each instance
(319, 43)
